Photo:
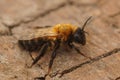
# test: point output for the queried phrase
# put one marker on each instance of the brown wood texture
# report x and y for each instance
(18, 18)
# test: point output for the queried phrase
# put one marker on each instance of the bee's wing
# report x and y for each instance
(39, 33)
(46, 32)
(36, 39)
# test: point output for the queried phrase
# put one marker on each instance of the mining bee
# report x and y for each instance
(59, 34)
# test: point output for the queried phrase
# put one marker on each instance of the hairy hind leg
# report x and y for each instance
(42, 53)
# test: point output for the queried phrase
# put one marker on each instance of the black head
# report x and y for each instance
(79, 35)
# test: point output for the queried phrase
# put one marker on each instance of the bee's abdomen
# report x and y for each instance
(31, 45)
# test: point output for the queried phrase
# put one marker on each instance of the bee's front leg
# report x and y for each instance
(73, 46)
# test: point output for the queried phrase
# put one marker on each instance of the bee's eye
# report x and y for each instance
(77, 38)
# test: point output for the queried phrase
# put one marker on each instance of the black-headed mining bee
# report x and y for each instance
(59, 34)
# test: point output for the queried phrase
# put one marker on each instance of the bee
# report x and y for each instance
(59, 34)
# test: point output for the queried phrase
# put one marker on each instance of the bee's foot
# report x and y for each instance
(39, 78)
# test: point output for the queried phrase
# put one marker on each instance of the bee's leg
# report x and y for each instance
(26, 44)
(31, 55)
(66, 43)
(32, 60)
(73, 46)
(39, 48)
(32, 48)
(40, 78)
(42, 52)
(57, 44)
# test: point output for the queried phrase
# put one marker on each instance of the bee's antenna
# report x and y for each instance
(86, 22)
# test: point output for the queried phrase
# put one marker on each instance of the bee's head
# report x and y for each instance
(79, 35)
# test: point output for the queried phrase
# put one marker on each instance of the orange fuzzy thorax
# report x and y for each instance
(64, 30)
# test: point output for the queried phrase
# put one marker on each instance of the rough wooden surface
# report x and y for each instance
(18, 18)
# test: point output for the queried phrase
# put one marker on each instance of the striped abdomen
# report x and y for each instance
(31, 45)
